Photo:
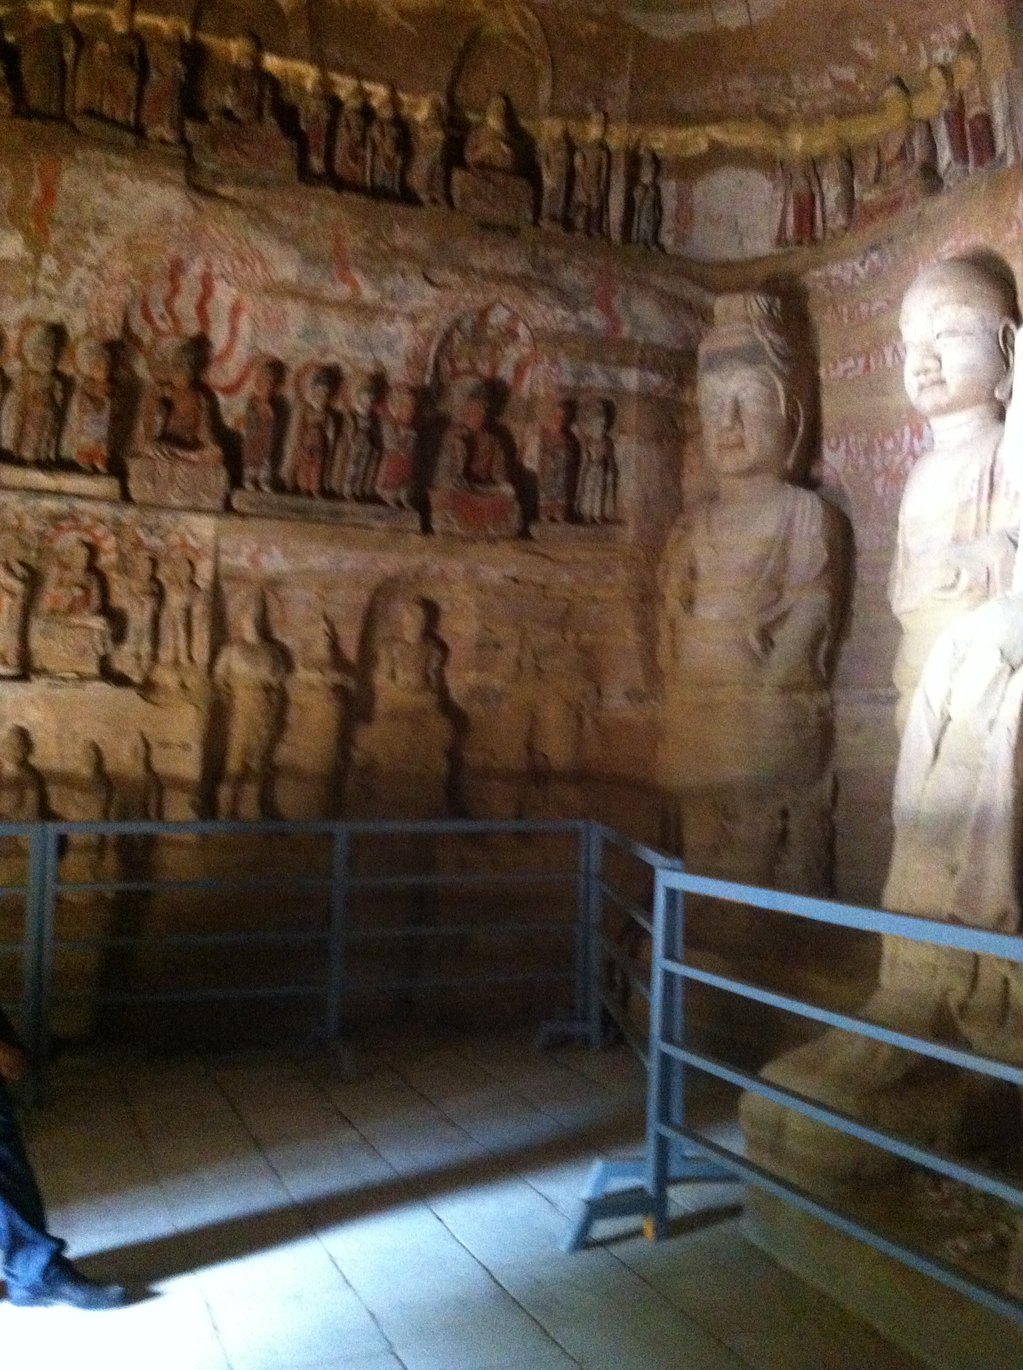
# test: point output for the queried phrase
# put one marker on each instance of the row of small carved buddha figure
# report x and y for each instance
(364, 440)
(93, 797)
(150, 87)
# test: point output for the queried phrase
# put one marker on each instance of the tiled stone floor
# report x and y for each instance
(407, 1212)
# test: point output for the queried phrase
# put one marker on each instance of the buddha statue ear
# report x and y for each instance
(1007, 344)
(795, 414)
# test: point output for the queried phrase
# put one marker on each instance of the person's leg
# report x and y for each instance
(27, 1246)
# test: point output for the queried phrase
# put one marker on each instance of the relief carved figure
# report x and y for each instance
(556, 173)
(473, 456)
(49, 54)
(494, 185)
(399, 441)
(591, 181)
(315, 434)
(430, 166)
(183, 639)
(69, 632)
(596, 491)
(474, 491)
(139, 597)
(801, 220)
(111, 71)
(647, 211)
(177, 460)
(386, 149)
(15, 589)
(559, 462)
(351, 148)
(314, 105)
(249, 676)
(86, 440)
(386, 774)
(38, 402)
(140, 794)
(356, 457)
(161, 112)
(750, 586)
(22, 792)
(264, 426)
(960, 513)
(245, 94)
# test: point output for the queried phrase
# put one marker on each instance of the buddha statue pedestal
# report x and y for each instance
(491, 513)
(244, 154)
(70, 647)
(176, 484)
(87, 484)
(354, 513)
(495, 198)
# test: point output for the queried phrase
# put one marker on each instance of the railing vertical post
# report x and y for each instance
(587, 944)
(37, 948)
(338, 916)
(660, 1077)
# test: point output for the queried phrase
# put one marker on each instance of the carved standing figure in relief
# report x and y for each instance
(402, 755)
(647, 208)
(385, 151)
(591, 181)
(178, 415)
(86, 441)
(559, 461)
(249, 675)
(596, 492)
(351, 149)
(263, 426)
(22, 793)
(111, 70)
(182, 644)
(15, 588)
(430, 159)
(161, 113)
(139, 594)
(314, 104)
(315, 435)
(245, 94)
(356, 457)
(49, 53)
(556, 171)
(38, 402)
(399, 441)
(960, 513)
(750, 604)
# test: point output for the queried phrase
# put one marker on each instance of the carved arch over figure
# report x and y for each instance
(492, 344)
(507, 52)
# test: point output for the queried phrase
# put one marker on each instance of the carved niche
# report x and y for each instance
(70, 632)
(497, 183)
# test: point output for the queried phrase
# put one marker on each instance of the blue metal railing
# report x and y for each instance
(675, 1152)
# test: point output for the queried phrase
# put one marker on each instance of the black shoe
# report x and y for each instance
(63, 1284)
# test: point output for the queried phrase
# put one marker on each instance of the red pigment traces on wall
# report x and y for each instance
(44, 198)
(343, 265)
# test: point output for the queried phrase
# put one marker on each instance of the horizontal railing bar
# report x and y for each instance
(299, 828)
(453, 982)
(190, 939)
(973, 1287)
(12, 891)
(954, 936)
(648, 855)
(364, 934)
(188, 996)
(626, 966)
(968, 1060)
(463, 878)
(636, 912)
(844, 1122)
(217, 882)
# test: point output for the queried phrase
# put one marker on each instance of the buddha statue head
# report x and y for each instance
(749, 381)
(959, 335)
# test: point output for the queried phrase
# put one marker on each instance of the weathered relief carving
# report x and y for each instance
(408, 700)
(70, 632)
(474, 492)
(801, 222)
(386, 149)
(351, 148)
(750, 603)
(140, 793)
(249, 676)
(242, 139)
(559, 461)
(138, 598)
(399, 441)
(111, 70)
(960, 513)
(314, 435)
(431, 155)
(314, 104)
(591, 181)
(596, 491)
(22, 792)
(495, 184)
(354, 463)
(15, 589)
(177, 461)
(556, 171)
(161, 112)
(35, 412)
(49, 53)
(183, 641)
(86, 440)
(646, 209)
(265, 426)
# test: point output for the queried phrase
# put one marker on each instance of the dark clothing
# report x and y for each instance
(26, 1245)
